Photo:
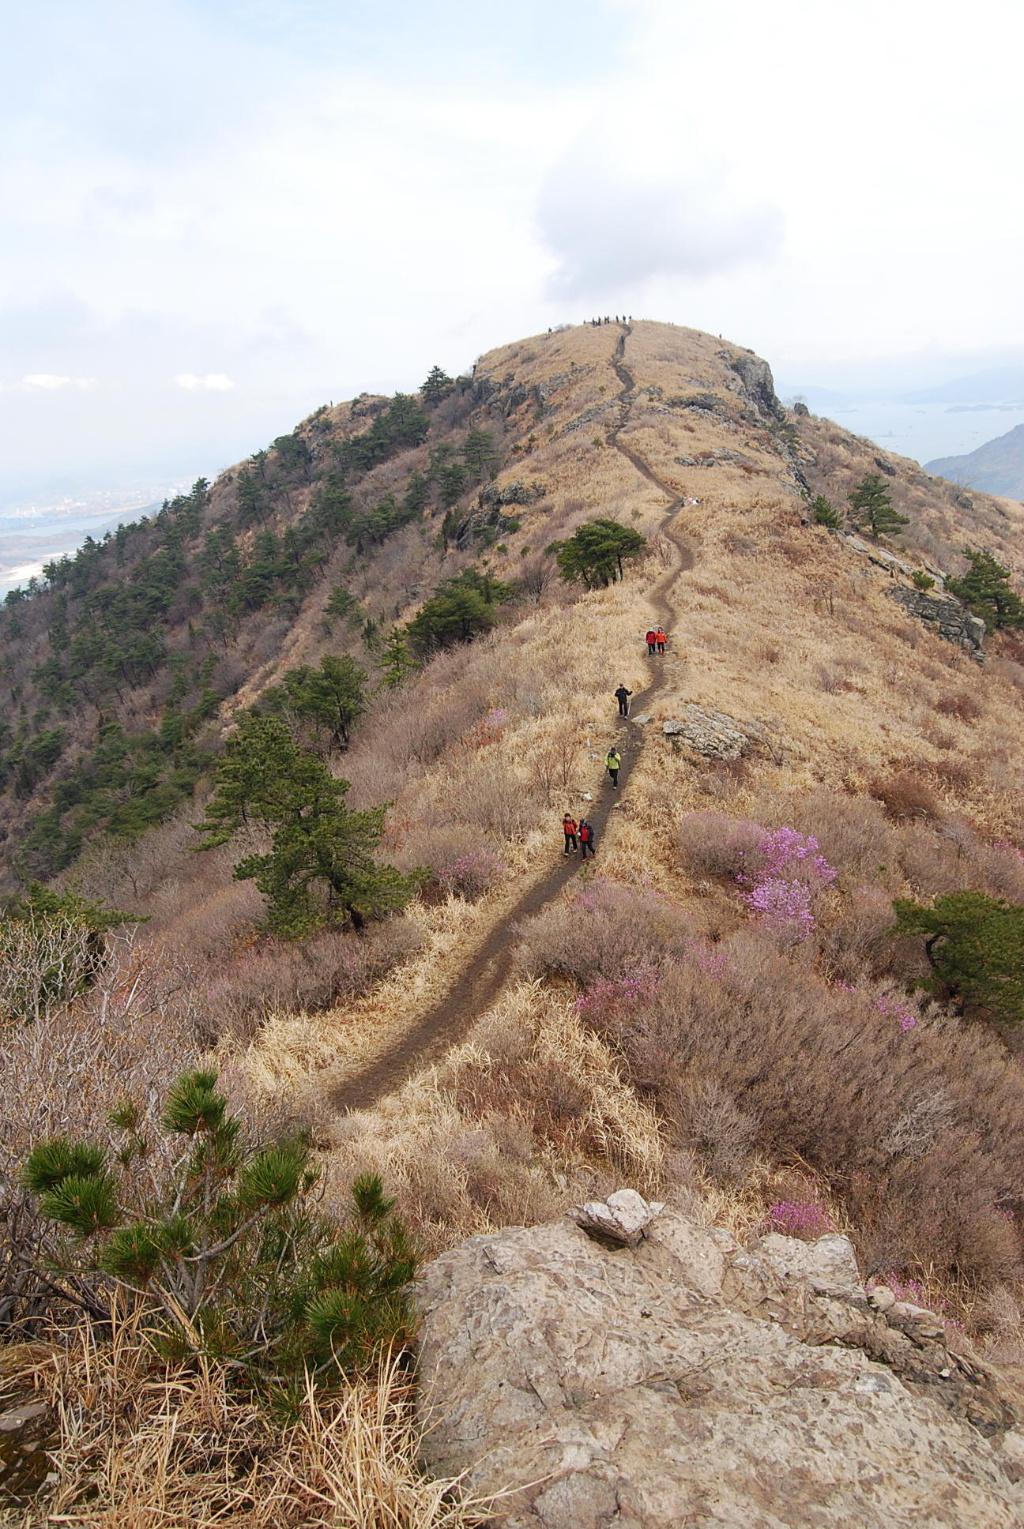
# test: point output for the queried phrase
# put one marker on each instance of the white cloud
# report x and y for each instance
(613, 223)
(49, 381)
(217, 382)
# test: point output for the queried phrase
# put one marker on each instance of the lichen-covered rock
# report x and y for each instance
(516, 492)
(691, 1381)
(757, 384)
(712, 733)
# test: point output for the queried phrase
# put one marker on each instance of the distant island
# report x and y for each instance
(997, 466)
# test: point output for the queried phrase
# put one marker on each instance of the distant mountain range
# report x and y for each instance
(999, 385)
(997, 466)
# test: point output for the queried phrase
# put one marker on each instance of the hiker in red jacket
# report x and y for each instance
(650, 640)
(570, 830)
(586, 839)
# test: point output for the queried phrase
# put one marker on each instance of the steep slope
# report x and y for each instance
(997, 466)
(716, 1012)
(797, 693)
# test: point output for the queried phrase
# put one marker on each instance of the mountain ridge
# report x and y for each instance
(997, 466)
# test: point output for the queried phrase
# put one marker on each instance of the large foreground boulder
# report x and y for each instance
(688, 1381)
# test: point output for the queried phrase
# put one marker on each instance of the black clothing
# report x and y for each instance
(622, 695)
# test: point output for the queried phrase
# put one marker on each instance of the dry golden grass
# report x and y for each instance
(138, 1447)
(527, 1116)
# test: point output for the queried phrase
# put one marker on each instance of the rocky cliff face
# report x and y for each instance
(691, 1381)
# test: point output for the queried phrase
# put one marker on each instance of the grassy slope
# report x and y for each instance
(775, 621)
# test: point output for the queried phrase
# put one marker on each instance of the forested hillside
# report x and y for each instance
(118, 662)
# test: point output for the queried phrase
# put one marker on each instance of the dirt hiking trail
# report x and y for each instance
(477, 985)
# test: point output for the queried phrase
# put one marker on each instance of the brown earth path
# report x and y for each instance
(445, 1023)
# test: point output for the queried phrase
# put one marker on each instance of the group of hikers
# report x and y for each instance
(580, 835)
(596, 323)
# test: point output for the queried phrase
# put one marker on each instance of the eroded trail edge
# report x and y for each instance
(477, 985)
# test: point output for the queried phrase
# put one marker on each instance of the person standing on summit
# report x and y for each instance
(622, 695)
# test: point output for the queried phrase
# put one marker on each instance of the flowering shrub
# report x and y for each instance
(800, 1218)
(468, 875)
(783, 852)
(896, 1009)
(608, 992)
(784, 905)
(787, 870)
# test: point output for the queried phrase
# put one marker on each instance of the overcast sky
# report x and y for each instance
(220, 213)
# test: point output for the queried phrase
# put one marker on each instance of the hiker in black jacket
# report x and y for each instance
(622, 695)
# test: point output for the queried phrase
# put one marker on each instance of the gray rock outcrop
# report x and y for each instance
(690, 1381)
(951, 619)
(516, 492)
(757, 384)
(712, 733)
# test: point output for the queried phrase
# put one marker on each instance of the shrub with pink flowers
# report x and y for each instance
(617, 992)
(786, 871)
(897, 1009)
(800, 1218)
(468, 875)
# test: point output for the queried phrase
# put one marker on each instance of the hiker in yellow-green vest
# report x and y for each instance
(612, 761)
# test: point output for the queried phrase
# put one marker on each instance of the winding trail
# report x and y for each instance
(448, 1019)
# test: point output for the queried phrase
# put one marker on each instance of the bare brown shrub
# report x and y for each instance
(712, 844)
(851, 830)
(931, 865)
(497, 801)
(962, 705)
(857, 942)
(237, 995)
(59, 1076)
(905, 795)
(607, 931)
(708, 1122)
(918, 1128)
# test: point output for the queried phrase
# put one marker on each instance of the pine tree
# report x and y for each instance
(331, 699)
(479, 452)
(871, 506)
(459, 610)
(437, 386)
(225, 1244)
(593, 554)
(320, 867)
(975, 946)
(987, 591)
(396, 658)
(825, 513)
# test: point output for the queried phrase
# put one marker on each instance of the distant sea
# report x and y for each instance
(34, 534)
(922, 431)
